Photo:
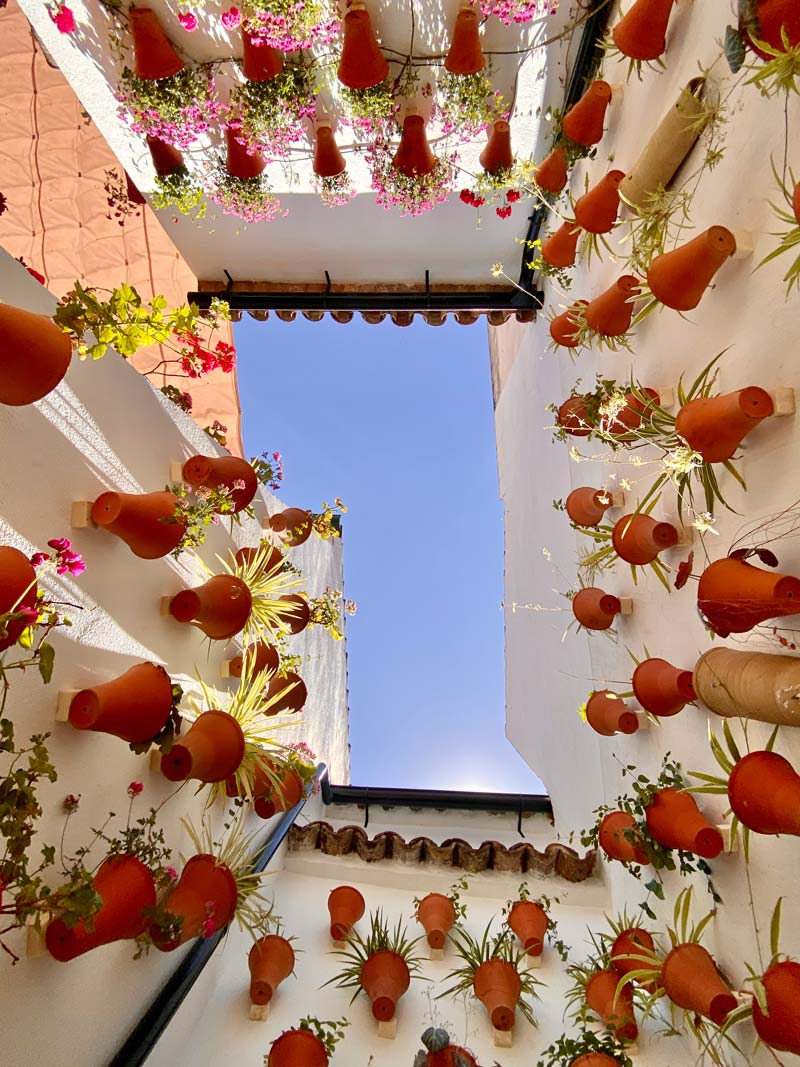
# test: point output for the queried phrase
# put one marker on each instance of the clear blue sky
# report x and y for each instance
(398, 422)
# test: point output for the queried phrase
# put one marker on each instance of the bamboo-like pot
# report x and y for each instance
(750, 685)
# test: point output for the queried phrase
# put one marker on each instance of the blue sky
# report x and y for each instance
(398, 422)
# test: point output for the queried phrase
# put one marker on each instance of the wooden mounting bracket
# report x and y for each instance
(81, 514)
(503, 1038)
(625, 605)
(388, 1029)
(259, 1013)
(62, 704)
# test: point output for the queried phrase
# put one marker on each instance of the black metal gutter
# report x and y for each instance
(439, 799)
(146, 1033)
(420, 301)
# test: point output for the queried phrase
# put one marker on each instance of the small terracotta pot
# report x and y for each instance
(560, 247)
(596, 211)
(735, 596)
(413, 156)
(437, 914)
(529, 922)
(34, 356)
(614, 1007)
(551, 174)
(678, 279)
(293, 690)
(498, 987)
(796, 203)
(631, 416)
(260, 63)
(638, 539)
(691, 980)
(780, 1029)
(281, 798)
(572, 417)
(776, 17)
(293, 524)
(206, 890)
(215, 472)
(166, 159)
(594, 608)
(451, 1056)
(613, 842)
(155, 57)
(662, 689)
(245, 556)
(297, 1048)
(135, 706)
(139, 519)
(465, 55)
(271, 961)
(642, 33)
(346, 906)
(631, 942)
(295, 612)
(764, 793)
(715, 426)
(265, 658)
(211, 751)
(610, 314)
(384, 978)
(587, 506)
(675, 821)
(583, 123)
(595, 1059)
(564, 331)
(362, 64)
(608, 714)
(497, 155)
(220, 607)
(126, 888)
(240, 163)
(18, 589)
(328, 160)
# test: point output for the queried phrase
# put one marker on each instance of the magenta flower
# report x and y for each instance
(38, 558)
(70, 562)
(134, 789)
(209, 927)
(60, 544)
(70, 803)
(27, 615)
(231, 18)
(63, 18)
(171, 873)
(188, 20)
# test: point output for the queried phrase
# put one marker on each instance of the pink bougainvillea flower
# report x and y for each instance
(134, 789)
(70, 802)
(38, 558)
(188, 20)
(63, 18)
(231, 18)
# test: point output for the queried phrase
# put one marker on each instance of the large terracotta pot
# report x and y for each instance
(675, 821)
(560, 247)
(642, 32)
(345, 906)
(155, 57)
(596, 211)
(583, 123)
(587, 506)
(272, 559)
(260, 63)
(764, 793)
(362, 64)
(437, 914)
(271, 961)
(691, 980)
(210, 751)
(497, 155)
(414, 156)
(594, 608)
(662, 689)
(610, 314)
(564, 331)
(384, 978)
(608, 714)
(498, 987)
(18, 589)
(679, 278)
(715, 426)
(632, 942)
(293, 693)
(220, 607)
(264, 657)
(465, 55)
(135, 706)
(297, 1048)
(796, 203)
(215, 472)
(551, 174)
(629, 418)
(240, 163)
(735, 596)
(780, 1029)
(166, 158)
(295, 612)
(126, 888)
(529, 922)
(34, 356)
(614, 1007)
(289, 792)
(328, 160)
(139, 519)
(572, 417)
(206, 890)
(613, 842)
(776, 17)
(754, 685)
(638, 539)
(293, 524)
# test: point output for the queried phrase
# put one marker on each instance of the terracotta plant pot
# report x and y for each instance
(715, 426)
(630, 417)
(413, 156)
(215, 472)
(345, 906)
(560, 247)
(498, 987)
(206, 890)
(240, 163)
(614, 1007)
(608, 714)
(764, 793)
(140, 520)
(34, 356)
(776, 17)
(632, 942)
(280, 798)
(691, 980)
(678, 279)
(260, 63)
(613, 842)
(642, 32)
(437, 914)
(753, 685)
(662, 689)
(220, 607)
(297, 1048)
(796, 203)
(610, 314)
(271, 961)
(154, 54)
(126, 888)
(265, 658)
(166, 159)
(572, 417)
(497, 155)
(328, 160)
(465, 55)
(551, 174)
(295, 695)
(211, 751)
(594, 608)
(18, 589)
(583, 123)
(135, 706)
(451, 1056)
(362, 64)
(595, 1059)
(384, 978)
(596, 211)
(564, 331)
(780, 1029)
(293, 524)
(529, 922)
(245, 556)
(675, 821)
(638, 539)
(295, 612)
(735, 596)
(587, 506)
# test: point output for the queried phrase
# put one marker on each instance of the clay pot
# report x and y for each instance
(34, 356)
(362, 64)
(583, 123)
(587, 506)
(630, 418)
(780, 1029)
(437, 914)
(384, 978)
(796, 203)
(264, 657)
(346, 906)
(594, 608)
(596, 211)
(280, 798)
(571, 417)
(126, 888)
(529, 922)
(662, 689)
(675, 821)
(293, 690)
(18, 589)
(735, 596)
(260, 63)
(497, 155)
(614, 1007)
(631, 942)
(678, 279)
(498, 987)
(715, 426)
(293, 524)
(271, 961)
(755, 685)
(451, 1056)
(245, 556)
(328, 160)
(610, 314)
(595, 1059)
(564, 331)
(465, 55)
(220, 607)
(551, 174)
(206, 890)
(642, 33)
(214, 472)
(413, 156)
(155, 57)
(776, 17)
(764, 793)
(135, 706)
(166, 159)
(139, 519)
(297, 1048)
(638, 539)
(211, 751)
(240, 163)
(613, 842)
(560, 247)
(690, 980)
(296, 614)
(608, 714)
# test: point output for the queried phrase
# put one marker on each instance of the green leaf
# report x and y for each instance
(775, 929)
(47, 655)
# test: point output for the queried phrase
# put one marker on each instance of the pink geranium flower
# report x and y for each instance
(188, 20)
(134, 789)
(231, 18)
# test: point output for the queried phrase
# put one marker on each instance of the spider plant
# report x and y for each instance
(653, 224)
(789, 238)
(266, 577)
(590, 338)
(380, 938)
(604, 555)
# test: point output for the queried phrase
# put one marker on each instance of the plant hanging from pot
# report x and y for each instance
(289, 25)
(247, 194)
(310, 1044)
(518, 12)
(532, 922)
(176, 110)
(180, 191)
(409, 176)
(271, 112)
(789, 237)
(466, 103)
(596, 993)
(586, 1049)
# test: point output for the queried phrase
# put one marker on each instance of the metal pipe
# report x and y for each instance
(439, 799)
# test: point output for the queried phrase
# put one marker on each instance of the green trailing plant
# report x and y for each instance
(381, 938)
(546, 904)
(454, 894)
(199, 508)
(466, 103)
(181, 191)
(175, 109)
(653, 225)
(330, 1033)
(270, 112)
(165, 738)
(250, 199)
(370, 108)
(329, 610)
(569, 1048)
(790, 233)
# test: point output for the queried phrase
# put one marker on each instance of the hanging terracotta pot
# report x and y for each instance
(764, 793)
(596, 211)
(211, 751)
(262, 657)
(583, 123)
(498, 987)
(346, 906)
(384, 978)
(205, 895)
(573, 418)
(564, 331)
(529, 921)
(465, 55)
(610, 314)
(240, 163)
(734, 596)
(140, 520)
(295, 612)
(293, 693)
(34, 356)
(642, 33)
(675, 821)
(497, 155)
(560, 247)
(260, 63)
(135, 706)
(437, 914)
(679, 278)
(691, 980)
(638, 539)
(608, 714)
(551, 174)
(715, 426)
(630, 418)
(18, 589)
(126, 888)
(293, 524)
(297, 1048)
(271, 961)
(362, 64)
(615, 1007)
(413, 156)
(662, 689)
(632, 942)
(283, 797)
(272, 558)
(166, 158)
(587, 506)
(155, 58)
(615, 844)
(776, 18)
(220, 607)
(215, 472)
(594, 608)
(780, 1028)
(328, 160)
